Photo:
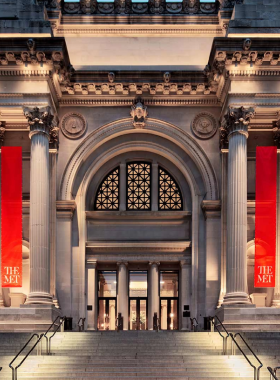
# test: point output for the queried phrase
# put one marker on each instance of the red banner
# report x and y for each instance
(265, 225)
(11, 217)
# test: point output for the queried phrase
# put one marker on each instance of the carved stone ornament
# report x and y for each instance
(39, 119)
(204, 125)
(2, 132)
(247, 44)
(139, 114)
(73, 125)
(237, 120)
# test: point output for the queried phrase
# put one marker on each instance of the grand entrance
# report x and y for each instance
(169, 301)
(138, 300)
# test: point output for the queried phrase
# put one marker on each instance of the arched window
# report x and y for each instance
(138, 189)
(107, 197)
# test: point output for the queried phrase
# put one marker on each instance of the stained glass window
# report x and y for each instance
(138, 186)
(169, 197)
(107, 197)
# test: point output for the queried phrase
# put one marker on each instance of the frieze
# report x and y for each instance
(73, 125)
(152, 7)
(204, 125)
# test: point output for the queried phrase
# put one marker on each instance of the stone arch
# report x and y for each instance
(154, 127)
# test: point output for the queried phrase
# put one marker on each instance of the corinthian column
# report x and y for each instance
(40, 121)
(237, 121)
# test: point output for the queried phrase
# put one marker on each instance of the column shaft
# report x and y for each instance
(153, 302)
(122, 301)
(53, 245)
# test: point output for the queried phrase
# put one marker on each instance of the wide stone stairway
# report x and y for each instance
(137, 355)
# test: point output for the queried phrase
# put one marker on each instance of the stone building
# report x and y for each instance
(139, 123)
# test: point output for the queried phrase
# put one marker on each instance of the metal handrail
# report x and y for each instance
(225, 338)
(82, 326)
(256, 369)
(193, 326)
(48, 339)
(273, 373)
(14, 369)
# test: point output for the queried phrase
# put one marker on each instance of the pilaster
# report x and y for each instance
(122, 299)
(92, 294)
(185, 291)
(276, 296)
(153, 286)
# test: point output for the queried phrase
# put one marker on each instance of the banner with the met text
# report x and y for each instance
(265, 222)
(11, 217)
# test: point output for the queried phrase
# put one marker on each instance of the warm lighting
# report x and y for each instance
(162, 282)
(171, 315)
(102, 325)
(171, 326)
(105, 315)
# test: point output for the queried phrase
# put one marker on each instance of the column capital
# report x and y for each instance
(92, 263)
(186, 262)
(237, 120)
(2, 132)
(39, 120)
(122, 263)
(154, 263)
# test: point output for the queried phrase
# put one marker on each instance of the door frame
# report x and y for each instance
(137, 304)
(169, 299)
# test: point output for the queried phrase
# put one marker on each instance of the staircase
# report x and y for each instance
(131, 355)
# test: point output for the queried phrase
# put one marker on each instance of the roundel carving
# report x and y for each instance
(204, 125)
(73, 125)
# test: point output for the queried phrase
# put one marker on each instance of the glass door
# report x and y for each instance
(138, 300)
(138, 314)
(169, 314)
(107, 311)
(107, 314)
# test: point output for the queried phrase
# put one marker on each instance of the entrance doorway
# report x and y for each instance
(169, 300)
(169, 314)
(107, 292)
(138, 300)
(138, 314)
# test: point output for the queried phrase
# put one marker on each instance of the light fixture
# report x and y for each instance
(162, 282)
(171, 315)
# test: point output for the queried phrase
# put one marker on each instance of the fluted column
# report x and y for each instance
(92, 295)
(276, 297)
(153, 306)
(40, 121)
(237, 121)
(122, 301)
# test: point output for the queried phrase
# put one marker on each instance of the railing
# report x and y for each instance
(14, 369)
(39, 347)
(256, 369)
(235, 343)
(273, 373)
(82, 326)
(48, 339)
(225, 337)
(194, 324)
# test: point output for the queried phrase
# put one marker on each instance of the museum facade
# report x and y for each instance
(139, 123)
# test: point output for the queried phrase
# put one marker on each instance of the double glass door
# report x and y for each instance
(107, 314)
(138, 314)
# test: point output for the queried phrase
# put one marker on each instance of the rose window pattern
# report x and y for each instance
(139, 186)
(107, 197)
(169, 197)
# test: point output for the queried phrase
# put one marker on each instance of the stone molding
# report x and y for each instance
(186, 262)
(211, 209)
(204, 125)
(139, 246)
(65, 209)
(73, 125)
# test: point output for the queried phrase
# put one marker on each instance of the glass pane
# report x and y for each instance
(133, 315)
(138, 284)
(163, 315)
(102, 317)
(169, 284)
(173, 315)
(107, 283)
(112, 314)
(143, 315)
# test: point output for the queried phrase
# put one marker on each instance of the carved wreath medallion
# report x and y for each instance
(73, 125)
(204, 125)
